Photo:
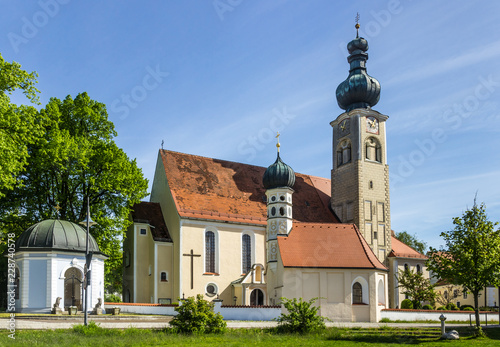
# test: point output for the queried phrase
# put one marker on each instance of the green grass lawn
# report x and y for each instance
(96, 336)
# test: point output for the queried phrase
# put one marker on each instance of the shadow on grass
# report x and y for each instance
(411, 336)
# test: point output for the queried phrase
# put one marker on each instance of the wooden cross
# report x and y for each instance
(192, 255)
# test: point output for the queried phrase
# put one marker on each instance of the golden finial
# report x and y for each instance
(57, 208)
(357, 25)
(278, 144)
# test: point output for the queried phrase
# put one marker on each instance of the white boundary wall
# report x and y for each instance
(142, 308)
(416, 315)
(255, 313)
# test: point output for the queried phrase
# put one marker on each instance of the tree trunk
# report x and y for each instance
(476, 308)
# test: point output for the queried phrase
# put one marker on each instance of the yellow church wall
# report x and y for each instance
(161, 194)
(128, 269)
(228, 260)
(164, 264)
(487, 298)
(141, 263)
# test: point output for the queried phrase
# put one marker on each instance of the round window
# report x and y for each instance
(211, 289)
(273, 198)
(282, 198)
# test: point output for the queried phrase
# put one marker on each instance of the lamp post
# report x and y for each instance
(88, 222)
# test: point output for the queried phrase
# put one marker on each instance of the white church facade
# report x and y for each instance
(250, 235)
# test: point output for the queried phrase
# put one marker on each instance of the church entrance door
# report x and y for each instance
(73, 288)
(257, 298)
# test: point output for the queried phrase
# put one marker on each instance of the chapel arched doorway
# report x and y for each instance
(256, 298)
(73, 278)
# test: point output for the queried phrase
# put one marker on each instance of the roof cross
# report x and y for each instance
(57, 208)
(357, 24)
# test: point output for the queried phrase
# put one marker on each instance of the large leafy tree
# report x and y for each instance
(412, 241)
(75, 159)
(416, 286)
(471, 255)
(19, 125)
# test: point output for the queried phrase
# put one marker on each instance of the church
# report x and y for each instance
(250, 235)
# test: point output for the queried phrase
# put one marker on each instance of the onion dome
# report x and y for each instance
(279, 175)
(52, 234)
(359, 90)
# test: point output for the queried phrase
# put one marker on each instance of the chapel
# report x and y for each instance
(250, 235)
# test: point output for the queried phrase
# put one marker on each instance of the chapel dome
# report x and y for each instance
(55, 234)
(359, 90)
(279, 175)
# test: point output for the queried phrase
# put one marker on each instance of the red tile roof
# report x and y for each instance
(207, 188)
(150, 213)
(327, 245)
(401, 250)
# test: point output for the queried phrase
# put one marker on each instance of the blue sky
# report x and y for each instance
(217, 78)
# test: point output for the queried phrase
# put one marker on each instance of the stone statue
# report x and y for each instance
(56, 309)
(98, 307)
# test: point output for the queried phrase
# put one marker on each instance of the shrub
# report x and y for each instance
(407, 304)
(417, 305)
(428, 307)
(467, 308)
(451, 307)
(463, 307)
(442, 308)
(197, 316)
(112, 298)
(302, 316)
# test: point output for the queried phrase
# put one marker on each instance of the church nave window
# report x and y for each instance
(210, 252)
(164, 276)
(246, 253)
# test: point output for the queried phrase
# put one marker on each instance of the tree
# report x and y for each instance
(19, 125)
(412, 241)
(73, 159)
(416, 286)
(197, 316)
(471, 256)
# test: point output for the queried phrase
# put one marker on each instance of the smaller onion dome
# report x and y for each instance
(359, 90)
(55, 234)
(279, 175)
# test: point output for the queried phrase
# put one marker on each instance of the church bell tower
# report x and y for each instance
(360, 174)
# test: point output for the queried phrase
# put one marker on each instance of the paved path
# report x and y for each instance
(155, 322)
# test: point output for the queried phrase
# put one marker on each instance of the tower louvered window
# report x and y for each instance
(246, 251)
(210, 252)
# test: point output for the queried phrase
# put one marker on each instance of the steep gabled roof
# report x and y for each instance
(401, 250)
(207, 188)
(327, 245)
(150, 213)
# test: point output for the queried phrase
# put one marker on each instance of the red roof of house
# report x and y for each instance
(207, 188)
(150, 213)
(327, 245)
(401, 250)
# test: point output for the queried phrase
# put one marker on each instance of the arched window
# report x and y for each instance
(357, 293)
(407, 267)
(246, 253)
(163, 276)
(209, 251)
(445, 294)
(419, 269)
(373, 150)
(344, 153)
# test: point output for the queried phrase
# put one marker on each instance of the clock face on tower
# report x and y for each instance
(372, 125)
(343, 127)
